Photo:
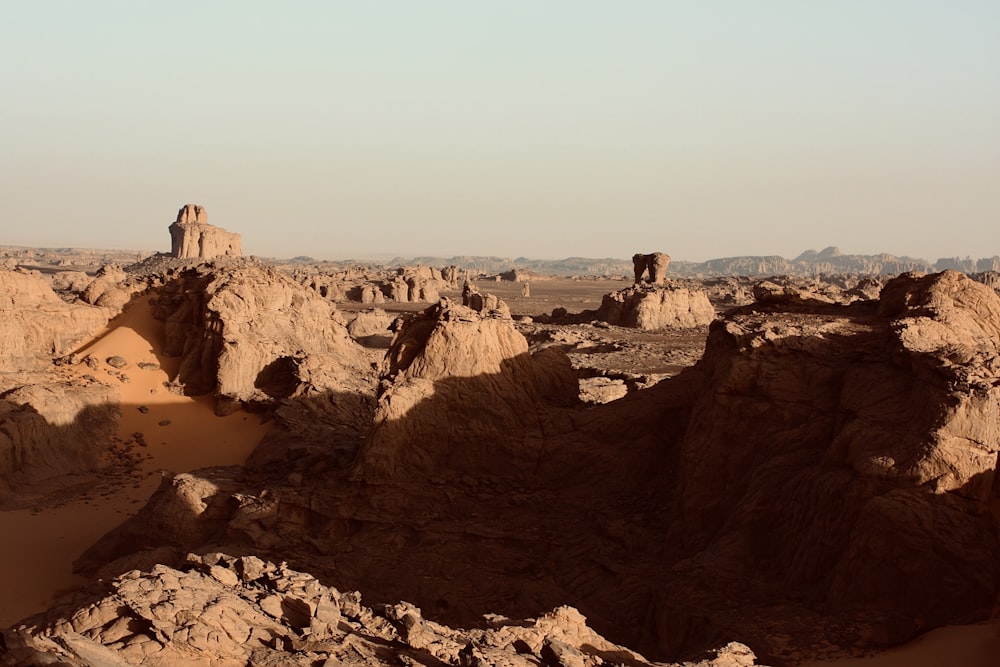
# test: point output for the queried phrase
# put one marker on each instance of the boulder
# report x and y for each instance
(655, 264)
(451, 360)
(111, 288)
(51, 429)
(651, 307)
(245, 334)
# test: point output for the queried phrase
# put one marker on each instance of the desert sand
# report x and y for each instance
(959, 646)
(180, 434)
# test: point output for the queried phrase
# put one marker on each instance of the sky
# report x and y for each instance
(537, 128)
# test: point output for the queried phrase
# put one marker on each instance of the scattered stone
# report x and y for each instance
(116, 361)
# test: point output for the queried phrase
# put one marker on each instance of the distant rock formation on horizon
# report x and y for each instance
(809, 263)
(191, 237)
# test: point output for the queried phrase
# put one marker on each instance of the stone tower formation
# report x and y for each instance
(192, 237)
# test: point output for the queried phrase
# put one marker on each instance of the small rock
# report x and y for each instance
(116, 361)
(147, 366)
(143, 409)
(164, 422)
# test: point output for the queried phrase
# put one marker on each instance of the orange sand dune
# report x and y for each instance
(179, 433)
(955, 646)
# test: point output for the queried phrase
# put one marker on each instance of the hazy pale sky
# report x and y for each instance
(542, 128)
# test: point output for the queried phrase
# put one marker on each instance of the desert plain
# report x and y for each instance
(211, 459)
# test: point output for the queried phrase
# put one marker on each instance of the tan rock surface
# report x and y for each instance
(245, 334)
(648, 307)
(218, 610)
(450, 358)
(36, 325)
(192, 237)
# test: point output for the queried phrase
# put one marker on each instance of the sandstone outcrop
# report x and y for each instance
(850, 452)
(111, 288)
(651, 307)
(51, 429)
(655, 264)
(36, 325)
(451, 359)
(192, 237)
(251, 334)
(223, 610)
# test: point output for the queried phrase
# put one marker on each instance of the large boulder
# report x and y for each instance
(111, 288)
(655, 264)
(656, 307)
(248, 334)
(192, 237)
(460, 391)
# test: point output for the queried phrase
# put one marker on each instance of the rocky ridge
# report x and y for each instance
(219, 610)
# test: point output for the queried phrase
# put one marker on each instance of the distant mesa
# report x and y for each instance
(191, 237)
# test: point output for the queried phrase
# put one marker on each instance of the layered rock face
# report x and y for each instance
(51, 429)
(453, 359)
(192, 237)
(224, 610)
(251, 334)
(651, 307)
(35, 324)
(48, 427)
(849, 453)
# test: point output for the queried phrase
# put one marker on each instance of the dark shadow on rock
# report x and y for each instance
(279, 379)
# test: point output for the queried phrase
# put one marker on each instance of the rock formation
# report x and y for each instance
(251, 334)
(850, 452)
(35, 324)
(223, 610)
(111, 288)
(649, 307)
(49, 429)
(48, 426)
(192, 237)
(654, 263)
(452, 359)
